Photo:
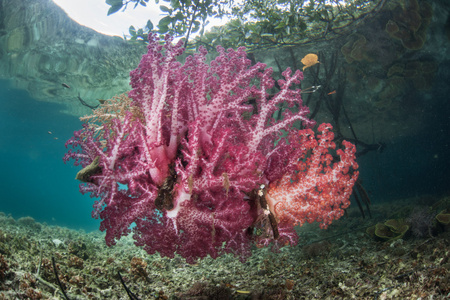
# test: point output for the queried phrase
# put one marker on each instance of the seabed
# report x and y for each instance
(348, 260)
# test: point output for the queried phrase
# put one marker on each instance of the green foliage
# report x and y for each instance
(181, 17)
(117, 5)
(255, 24)
(265, 24)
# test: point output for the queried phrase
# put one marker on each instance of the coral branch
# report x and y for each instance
(319, 189)
(181, 155)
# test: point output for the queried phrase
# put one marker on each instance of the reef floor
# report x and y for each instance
(402, 251)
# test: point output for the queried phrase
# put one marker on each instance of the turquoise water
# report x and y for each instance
(34, 181)
(416, 165)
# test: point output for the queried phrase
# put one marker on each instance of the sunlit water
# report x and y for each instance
(34, 181)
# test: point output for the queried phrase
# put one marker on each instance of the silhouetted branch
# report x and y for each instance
(57, 279)
(130, 293)
(85, 104)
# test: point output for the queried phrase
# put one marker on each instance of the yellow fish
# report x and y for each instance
(310, 60)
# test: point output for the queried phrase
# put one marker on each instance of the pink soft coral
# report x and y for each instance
(188, 161)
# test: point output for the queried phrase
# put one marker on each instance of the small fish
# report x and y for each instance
(101, 101)
(242, 292)
(55, 138)
(310, 60)
(49, 132)
(311, 89)
(331, 93)
(65, 85)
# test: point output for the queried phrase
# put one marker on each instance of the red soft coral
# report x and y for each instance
(319, 189)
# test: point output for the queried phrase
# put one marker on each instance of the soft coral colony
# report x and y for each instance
(193, 162)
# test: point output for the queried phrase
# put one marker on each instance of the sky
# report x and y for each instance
(93, 14)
